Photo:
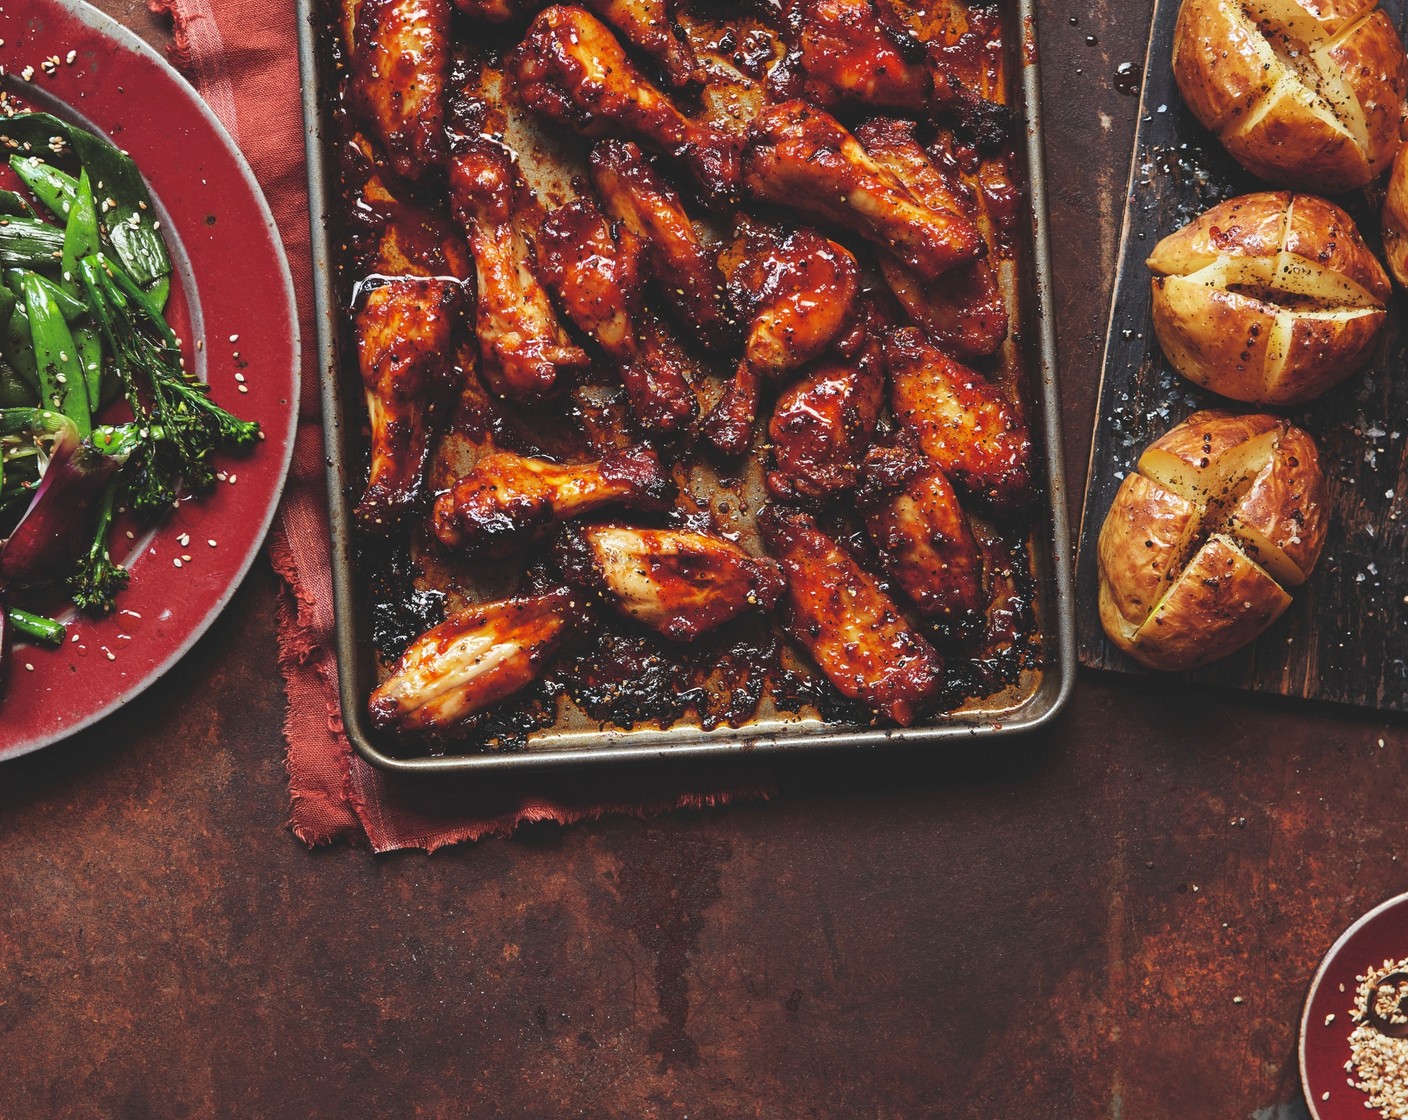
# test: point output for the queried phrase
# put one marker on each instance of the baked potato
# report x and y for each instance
(1269, 298)
(1303, 93)
(1395, 219)
(1224, 515)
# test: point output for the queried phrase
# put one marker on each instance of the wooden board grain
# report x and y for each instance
(1345, 638)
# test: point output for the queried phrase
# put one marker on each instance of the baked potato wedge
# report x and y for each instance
(1201, 544)
(1269, 298)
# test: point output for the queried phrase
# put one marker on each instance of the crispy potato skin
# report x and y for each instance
(1301, 93)
(1395, 219)
(1194, 563)
(1270, 298)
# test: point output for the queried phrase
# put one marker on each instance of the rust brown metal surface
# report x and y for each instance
(1057, 927)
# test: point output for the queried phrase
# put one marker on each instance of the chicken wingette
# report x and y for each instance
(471, 661)
(508, 501)
(837, 611)
(678, 582)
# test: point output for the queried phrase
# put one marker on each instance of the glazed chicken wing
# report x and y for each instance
(861, 52)
(686, 272)
(923, 537)
(471, 661)
(854, 632)
(522, 345)
(801, 157)
(507, 501)
(405, 348)
(959, 420)
(797, 292)
(855, 51)
(822, 426)
(594, 268)
(963, 309)
(571, 70)
(648, 25)
(399, 61)
(391, 235)
(680, 583)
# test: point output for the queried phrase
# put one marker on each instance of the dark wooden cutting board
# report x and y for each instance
(1345, 638)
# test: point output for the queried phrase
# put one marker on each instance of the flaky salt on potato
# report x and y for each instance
(1270, 298)
(1303, 93)
(1203, 543)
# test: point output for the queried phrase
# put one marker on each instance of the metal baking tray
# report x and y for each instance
(1034, 700)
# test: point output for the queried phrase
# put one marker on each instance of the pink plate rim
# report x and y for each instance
(274, 454)
(1325, 962)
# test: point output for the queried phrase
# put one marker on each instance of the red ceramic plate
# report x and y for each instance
(232, 292)
(1380, 935)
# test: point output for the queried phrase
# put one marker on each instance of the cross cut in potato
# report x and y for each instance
(1269, 298)
(1301, 92)
(1197, 552)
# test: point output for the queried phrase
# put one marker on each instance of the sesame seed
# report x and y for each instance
(177, 562)
(1237, 999)
(184, 539)
(110, 655)
(185, 559)
(211, 543)
(243, 388)
(1378, 1059)
(28, 666)
(240, 378)
(71, 57)
(234, 338)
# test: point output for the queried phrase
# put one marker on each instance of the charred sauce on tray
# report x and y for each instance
(612, 671)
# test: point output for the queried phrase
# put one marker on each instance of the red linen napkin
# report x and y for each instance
(250, 78)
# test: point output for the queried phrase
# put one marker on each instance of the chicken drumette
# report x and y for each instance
(678, 582)
(923, 536)
(801, 157)
(571, 70)
(593, 266)
(959, 420)
(963, 309)
(854, 632)
(822, 426)
(399, 62)
(522, 345)
(471, 661)
(406, 332)
(507, 501)
(411, 346)
(685, 271)
(648, 25)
